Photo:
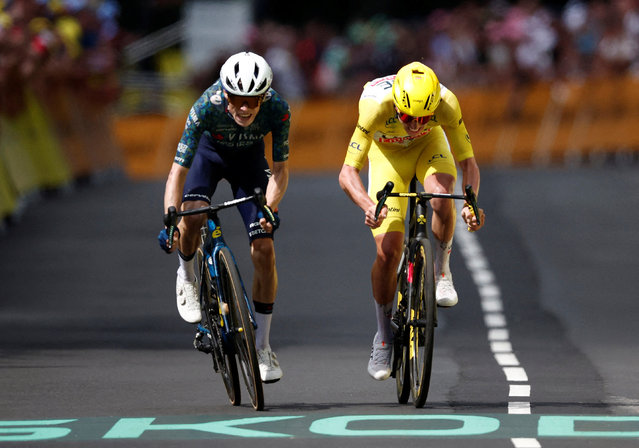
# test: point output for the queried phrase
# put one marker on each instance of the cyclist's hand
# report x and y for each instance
(471, 220)
(265, 224)
(163, 240)
(369, 216)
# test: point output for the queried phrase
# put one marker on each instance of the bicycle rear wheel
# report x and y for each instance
(222, 351)
(243, 330)
(422, 321)
(401, 368)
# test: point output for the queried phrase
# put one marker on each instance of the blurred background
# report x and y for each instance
(93, 88)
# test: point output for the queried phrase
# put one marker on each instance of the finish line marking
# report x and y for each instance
(497, 325)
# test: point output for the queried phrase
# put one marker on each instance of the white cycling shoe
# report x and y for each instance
(379, 364)
(270, 370)
(188, 302)
(445, 290)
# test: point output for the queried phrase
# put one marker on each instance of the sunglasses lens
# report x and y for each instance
(405, 118)
(238, 101)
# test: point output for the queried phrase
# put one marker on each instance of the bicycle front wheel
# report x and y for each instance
(221, 350)
(401, 357)
(243, 330)
(422, 320)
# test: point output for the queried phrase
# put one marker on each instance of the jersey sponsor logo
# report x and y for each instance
(193, 118)
(399, 139)
(393, 209)
(436, 157)
(355, 146)
(216, 98)
(363, 129)
(182, 151)
(391, 122)
(386, 82)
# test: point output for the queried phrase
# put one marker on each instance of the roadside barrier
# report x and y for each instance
(66, 138)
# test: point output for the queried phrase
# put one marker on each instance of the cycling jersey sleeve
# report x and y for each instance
(450, 118)
(280, 132)
(192, 133)
(360, 143)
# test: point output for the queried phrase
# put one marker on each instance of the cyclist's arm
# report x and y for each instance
(277, 184)
(470, 176)
(351, 183)
(175, 186)
(470, 173)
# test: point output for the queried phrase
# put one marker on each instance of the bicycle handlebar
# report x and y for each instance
(386, 192)
(172, 215)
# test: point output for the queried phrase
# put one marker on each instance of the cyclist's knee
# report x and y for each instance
(263, 251)
(389, 248)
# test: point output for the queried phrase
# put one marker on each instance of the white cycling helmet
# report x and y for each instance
(246, 74)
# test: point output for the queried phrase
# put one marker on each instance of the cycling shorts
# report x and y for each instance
(245, 170)
(429, 155)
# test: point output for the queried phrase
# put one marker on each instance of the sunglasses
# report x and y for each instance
(405, 118)
(251, 101)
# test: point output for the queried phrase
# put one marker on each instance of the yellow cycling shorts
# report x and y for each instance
(428, 155)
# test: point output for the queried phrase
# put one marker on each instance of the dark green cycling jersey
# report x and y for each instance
(209, 115)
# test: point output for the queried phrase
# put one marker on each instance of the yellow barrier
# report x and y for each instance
(540, 123)
(45, 148)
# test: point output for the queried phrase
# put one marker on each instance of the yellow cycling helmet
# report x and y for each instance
(416, 90)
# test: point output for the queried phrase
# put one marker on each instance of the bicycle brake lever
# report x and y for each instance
(471, 199)
(170, 221)
(382, 195)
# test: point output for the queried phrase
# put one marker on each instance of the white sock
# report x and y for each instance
(384, 313)
(262, 334)
(442, 256)
(186, 271)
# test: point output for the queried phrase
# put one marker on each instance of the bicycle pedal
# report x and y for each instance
(200, 345)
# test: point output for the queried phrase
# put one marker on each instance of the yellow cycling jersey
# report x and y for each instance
(378, 124)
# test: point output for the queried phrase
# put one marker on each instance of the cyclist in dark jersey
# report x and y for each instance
(224, 139)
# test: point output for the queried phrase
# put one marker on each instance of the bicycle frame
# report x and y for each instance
(414, 320)
(212, 242)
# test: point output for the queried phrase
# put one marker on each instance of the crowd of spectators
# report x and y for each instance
(471, 44)
(53, 46)
(78, 43)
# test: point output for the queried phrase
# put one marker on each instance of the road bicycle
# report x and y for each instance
(227, 330)
(415, 316)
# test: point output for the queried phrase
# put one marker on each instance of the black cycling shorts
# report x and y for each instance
(244, 169)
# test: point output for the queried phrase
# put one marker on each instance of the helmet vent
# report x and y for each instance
(263, 85)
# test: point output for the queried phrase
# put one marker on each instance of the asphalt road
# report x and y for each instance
(540, 351)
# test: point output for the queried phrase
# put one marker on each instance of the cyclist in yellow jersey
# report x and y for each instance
(409, 125)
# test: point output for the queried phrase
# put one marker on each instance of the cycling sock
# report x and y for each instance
(186, 271)
(442, 256)
(384, 313)
(263, 317)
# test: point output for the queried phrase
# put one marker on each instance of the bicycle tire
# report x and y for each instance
(222, 353)
(244, 332)
(422, 315)
(400, 340)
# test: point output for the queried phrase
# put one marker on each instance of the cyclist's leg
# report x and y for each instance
(389, 239)
(200, 184)
(207, 170)
(253, 171)
(436, 167)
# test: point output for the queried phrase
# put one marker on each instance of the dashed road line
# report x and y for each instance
(498, 335)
